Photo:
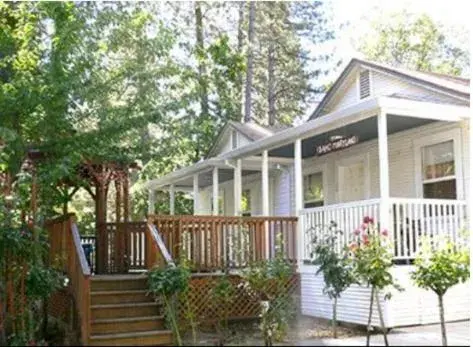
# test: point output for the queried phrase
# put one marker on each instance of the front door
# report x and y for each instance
(351, 185)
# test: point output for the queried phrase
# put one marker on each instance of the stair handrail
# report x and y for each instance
(156, 247)
(65, 241)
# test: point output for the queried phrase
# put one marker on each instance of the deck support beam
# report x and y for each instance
(298, 181)
(383, 171)
(172, 198)
(237, 188)
(196, 193)
(215, 191)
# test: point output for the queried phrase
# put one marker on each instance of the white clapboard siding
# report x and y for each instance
(412, 306)
(384, 85)
(353, 305)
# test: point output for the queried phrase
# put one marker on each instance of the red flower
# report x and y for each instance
(364, 237)
(367, 220)
(366, 242)
(357, 232)
(384, 232)
(364, 226)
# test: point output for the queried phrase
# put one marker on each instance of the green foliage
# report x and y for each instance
(372, 256)
(167, 284)
(223, 296)
(416, 42)
(168, 281)
(442, 268)
(336, 268)
(268, 282)
(41, 282)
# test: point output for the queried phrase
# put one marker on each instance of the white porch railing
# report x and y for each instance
(411, 222)
(415, 220)
(347, 217)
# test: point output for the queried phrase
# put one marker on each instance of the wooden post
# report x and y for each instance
(196, 193)
(265, 198)
(101, 218)
(298, 181)
(237, 188)
(215, 191)
(383, 171)
(126, 198)
(171, 199)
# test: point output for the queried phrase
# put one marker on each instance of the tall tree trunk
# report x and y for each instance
(199, 31)
(241, 17)
(370, 314)
(249, 64)
(271, 85)
(381, 320)
(442, 321)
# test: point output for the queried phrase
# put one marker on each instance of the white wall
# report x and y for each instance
(384, 85)
(411, 306)
(226, 145)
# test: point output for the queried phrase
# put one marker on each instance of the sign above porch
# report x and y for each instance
(336, 143)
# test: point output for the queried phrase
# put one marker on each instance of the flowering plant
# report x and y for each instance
(372, 258)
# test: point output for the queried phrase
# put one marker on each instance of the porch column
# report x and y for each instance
(237, 188)
(196, 193)
(298, 181)
(215, 191)
(264, 184)
(265, 198)
(151, 201)
(383, 171)
(171, 199)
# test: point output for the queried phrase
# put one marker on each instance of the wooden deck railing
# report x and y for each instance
(218, 242)
(156, 251)
(66, 251)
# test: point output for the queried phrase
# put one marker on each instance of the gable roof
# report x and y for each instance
(251, 130)
(457, 86)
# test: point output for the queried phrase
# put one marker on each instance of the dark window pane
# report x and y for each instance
(441, 190)
(313, 204)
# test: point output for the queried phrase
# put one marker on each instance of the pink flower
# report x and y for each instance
(367, 220)
(366, 242)
(364, 237)
(353, 246)
(364, 226)
(384, 232)
(357, 232)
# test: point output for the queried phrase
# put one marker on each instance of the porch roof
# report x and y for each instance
(358, 119)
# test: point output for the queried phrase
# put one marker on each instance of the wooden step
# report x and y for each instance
(142, 309)
(145, 338)
(127, 325)
(101, 283)
(120, 296)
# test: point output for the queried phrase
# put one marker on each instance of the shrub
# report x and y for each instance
(441, 269)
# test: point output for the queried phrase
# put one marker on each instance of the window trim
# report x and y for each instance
(314, 169)
(454, 135)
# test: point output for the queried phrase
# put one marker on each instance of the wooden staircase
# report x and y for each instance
(123, 315)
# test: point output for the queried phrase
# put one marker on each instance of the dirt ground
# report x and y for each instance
(248, 334)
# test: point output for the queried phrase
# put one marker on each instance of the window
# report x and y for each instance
(313, 190)
(364, 84)
(234, 139)
(438, 171)
(246, 202)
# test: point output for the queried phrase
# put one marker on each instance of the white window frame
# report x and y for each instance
(433, 139)
(344, 162)
(314, 169)
(370, 75)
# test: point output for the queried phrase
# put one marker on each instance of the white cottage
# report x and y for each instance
(386, 142)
